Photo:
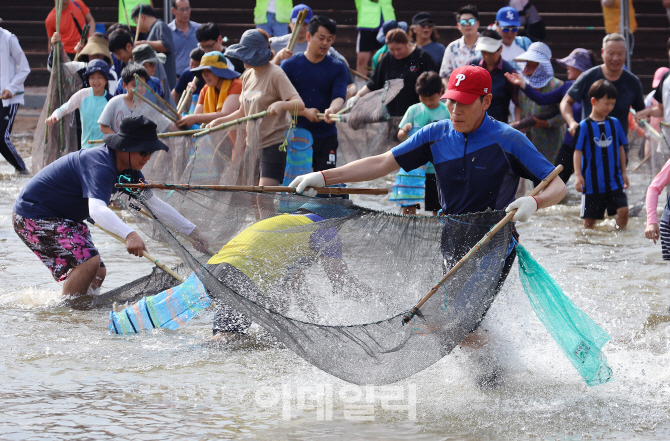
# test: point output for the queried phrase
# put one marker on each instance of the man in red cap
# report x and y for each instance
(478, 162)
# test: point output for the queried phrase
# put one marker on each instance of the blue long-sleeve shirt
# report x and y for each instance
(555, 97)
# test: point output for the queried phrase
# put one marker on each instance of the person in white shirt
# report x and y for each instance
(460, 52)
(507, 24)
(13, 72)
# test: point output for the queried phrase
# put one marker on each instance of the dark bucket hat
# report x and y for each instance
(137, 133)
(253, 49)
(98, 66)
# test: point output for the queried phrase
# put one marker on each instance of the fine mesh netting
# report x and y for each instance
(52, 142)
(334, 290)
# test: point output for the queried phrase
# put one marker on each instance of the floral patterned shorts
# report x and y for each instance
(60, 244)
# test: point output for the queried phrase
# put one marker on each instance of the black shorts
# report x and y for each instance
(432, 201)
(367, 41)
(324, 153)
(273, 163)
(665, 238)
(594, 205)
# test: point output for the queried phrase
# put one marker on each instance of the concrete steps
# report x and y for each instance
(570, 24)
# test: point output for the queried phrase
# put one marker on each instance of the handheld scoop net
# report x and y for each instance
(332, 280)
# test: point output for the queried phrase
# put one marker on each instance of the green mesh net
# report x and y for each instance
(578, 336)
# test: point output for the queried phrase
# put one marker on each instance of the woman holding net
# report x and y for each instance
(265, 86)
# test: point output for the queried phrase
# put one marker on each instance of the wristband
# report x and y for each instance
(324, 177)
(537, 204)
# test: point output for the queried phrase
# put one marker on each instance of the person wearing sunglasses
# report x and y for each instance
(460, 52)
(424, 34)
(507, 25)
(49, 213)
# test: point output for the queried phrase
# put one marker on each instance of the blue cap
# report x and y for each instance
(296, 10)
(98, 66)
(507, 16)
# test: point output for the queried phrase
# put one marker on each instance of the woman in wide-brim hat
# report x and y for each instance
(580, 60)
(265, 86)
(220, 96)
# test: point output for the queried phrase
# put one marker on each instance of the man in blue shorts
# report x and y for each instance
(478, 160)
(50, 210)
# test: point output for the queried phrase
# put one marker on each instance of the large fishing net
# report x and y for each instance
(52, 142)
(335, 290)
(368, 129)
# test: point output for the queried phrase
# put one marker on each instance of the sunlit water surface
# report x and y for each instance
(64, 377)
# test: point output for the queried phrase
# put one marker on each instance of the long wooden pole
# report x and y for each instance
(231, 123)
(160, 98)
(185, 101)
(358, 74)
(137, 25)
(541, 186)
(58, 52)
(160, 135)
(146, 256)
(155, 107)
(300, 20)
(255, 188)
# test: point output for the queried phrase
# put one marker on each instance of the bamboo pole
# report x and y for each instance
(160, 135)
(646, 158)
(358, 74)
(256, 188)
(146, 256)
(82, 39)
(137, 25)
(231, 123)
(125, 11)
(332, 117)
(185, 101)
(58, 53)
(541, 186)
(160, 98)
(300, 20)
(155, 107)
(344, 110)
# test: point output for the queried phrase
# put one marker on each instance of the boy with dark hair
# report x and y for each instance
(321, 82)
(125, 105)
(429, 110)
(600, 161)
(187, 76)
(210, 40)
(159, 37)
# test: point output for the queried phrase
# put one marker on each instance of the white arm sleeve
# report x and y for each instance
(106, 218)
(73, 103)
(169, 215)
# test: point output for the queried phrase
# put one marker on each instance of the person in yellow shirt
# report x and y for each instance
(221, 94)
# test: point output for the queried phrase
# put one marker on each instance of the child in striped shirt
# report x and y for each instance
(600, 161)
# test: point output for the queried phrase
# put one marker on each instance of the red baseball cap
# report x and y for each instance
(467, 83)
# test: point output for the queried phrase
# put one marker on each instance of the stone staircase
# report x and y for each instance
(570, 24)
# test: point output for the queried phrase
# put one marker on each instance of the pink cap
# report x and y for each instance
(658, 75)
(467, 83)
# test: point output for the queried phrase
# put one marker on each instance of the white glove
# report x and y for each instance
(314, 179)
(353, 100)
(525, 206)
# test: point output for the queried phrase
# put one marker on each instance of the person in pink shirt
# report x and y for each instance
(656, 230)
